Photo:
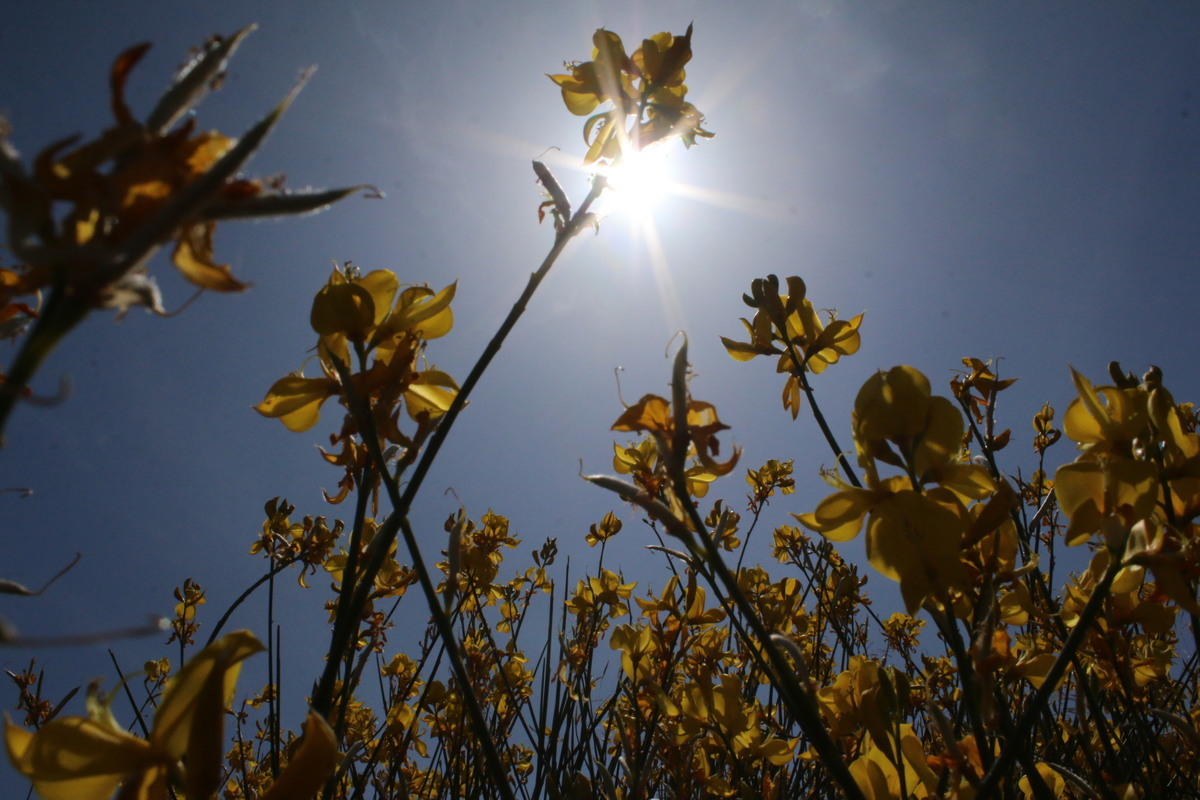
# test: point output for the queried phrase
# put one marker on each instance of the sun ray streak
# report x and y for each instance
(664, 281)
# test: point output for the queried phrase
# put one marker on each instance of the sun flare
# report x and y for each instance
(638, 181)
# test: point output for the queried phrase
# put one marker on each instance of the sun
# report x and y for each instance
(638, 181)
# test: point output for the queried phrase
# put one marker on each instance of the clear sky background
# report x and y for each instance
(1017, 180)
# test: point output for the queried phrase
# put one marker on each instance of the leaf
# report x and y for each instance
(194, 81)
(267, 205)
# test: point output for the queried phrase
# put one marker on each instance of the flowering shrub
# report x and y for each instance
(732, 680)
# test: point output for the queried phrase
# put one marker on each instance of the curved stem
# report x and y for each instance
(241, 598)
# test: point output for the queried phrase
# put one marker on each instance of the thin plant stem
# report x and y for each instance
(839, 454)
(797, 699)
(347, 621)
(1030, 715)
(271, 573)
(56, 320)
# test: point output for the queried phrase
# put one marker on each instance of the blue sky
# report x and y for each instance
(995, 180)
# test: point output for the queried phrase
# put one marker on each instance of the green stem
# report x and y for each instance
(62, 312)
(346, 624)
(576, 223)
(838, 453)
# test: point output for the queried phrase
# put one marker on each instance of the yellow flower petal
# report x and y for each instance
(194, 258)
(75, 758)
(967, 480)
(218, 664)
(918, 542)
(343, 308)
(310, 766)
(382, 285)
(892, 405)
(1079, 488)
(296, 401)
(430, 394)
(420, 310)
(839, 516)
(651, 413)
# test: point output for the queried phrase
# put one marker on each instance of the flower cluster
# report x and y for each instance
(646, 90)
(86, 219)
(788, 326)
(917, 519)
(372, 336)
(728, 680)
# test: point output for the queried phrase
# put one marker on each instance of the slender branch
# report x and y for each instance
(1031, 713)
(838, 453)
(581, 218)
(62, 312)
(349, 613)
(797, 699)
(241, 598)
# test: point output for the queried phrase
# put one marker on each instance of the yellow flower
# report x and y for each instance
(605, 78)
(647, 86)
(1105, 419)
(788, 326)
(915, 529)
(653, 414)
(373, 314)
(86, 758)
